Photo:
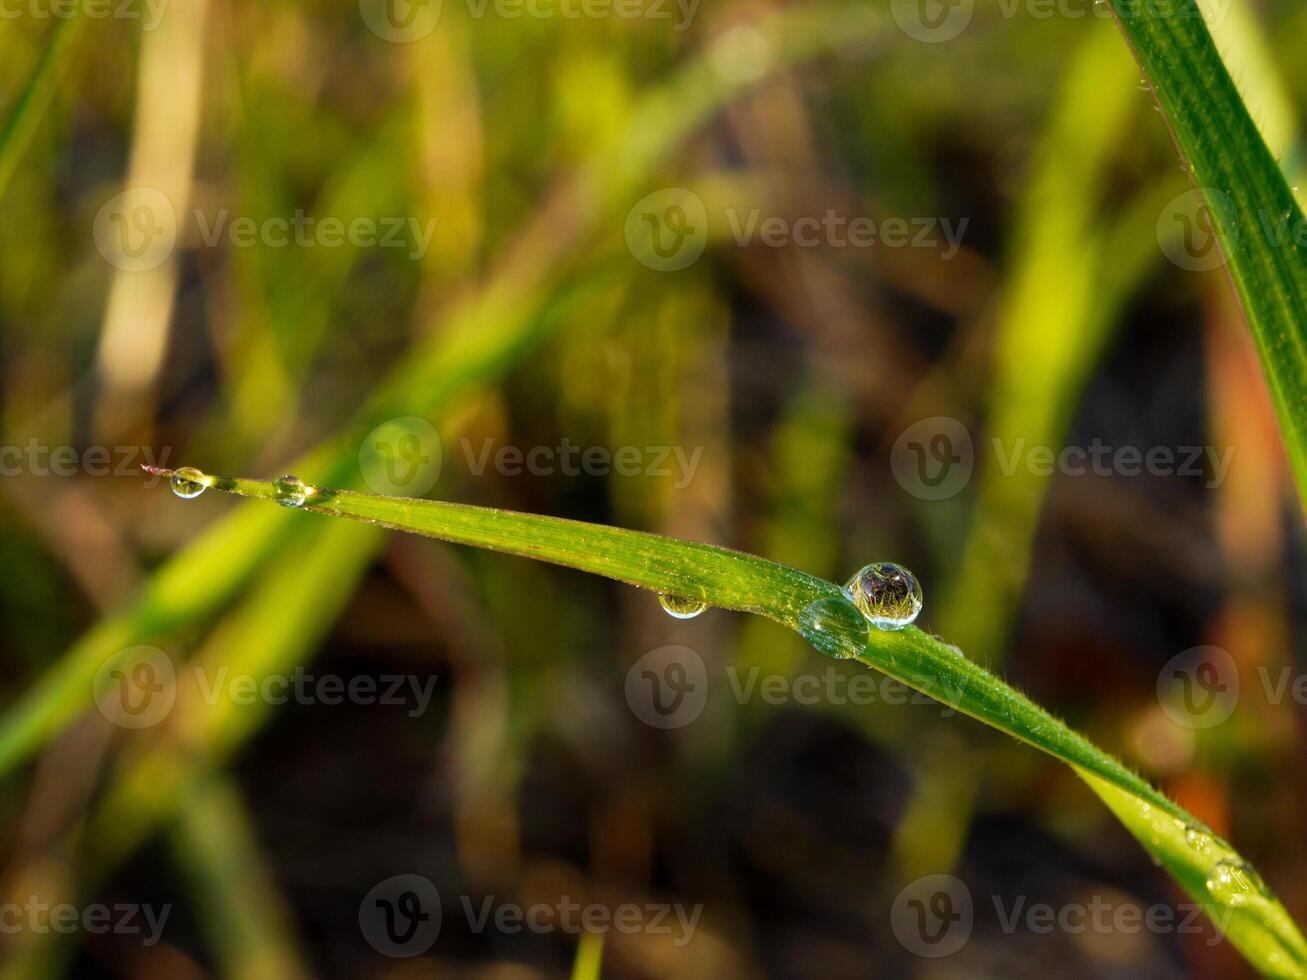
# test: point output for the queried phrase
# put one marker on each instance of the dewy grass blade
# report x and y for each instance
(1212, 872)
(1249, 204)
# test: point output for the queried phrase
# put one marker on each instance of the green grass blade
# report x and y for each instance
(1206, 867)
(589, 956)
(20, 122)
(1249, 204)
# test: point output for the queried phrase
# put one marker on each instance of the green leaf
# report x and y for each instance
(1209, 870)
(1249, 204)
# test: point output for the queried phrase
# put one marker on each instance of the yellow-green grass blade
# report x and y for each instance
(1210, 870)
(21, 119)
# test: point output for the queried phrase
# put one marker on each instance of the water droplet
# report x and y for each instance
(1234, 882)
(188, 482)
(835, 627)
(680, 606)
(887, 594)
(290, 491)
(1198, 838)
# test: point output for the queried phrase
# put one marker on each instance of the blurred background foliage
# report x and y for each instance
(528, 320)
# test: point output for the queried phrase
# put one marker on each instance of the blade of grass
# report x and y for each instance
(1210, 870)
(589, 956)
(1250, 206)
(31, 102)
(1059, 309)
(245, 916)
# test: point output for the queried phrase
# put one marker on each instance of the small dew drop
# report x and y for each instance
(1198, 839)
(290, 491)
(188, 482)
(835, 627)
(887, 594)
(679, 606)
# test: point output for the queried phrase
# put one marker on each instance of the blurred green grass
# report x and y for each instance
(528, 141)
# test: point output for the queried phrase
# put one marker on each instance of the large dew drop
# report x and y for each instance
(834, 627)
(290, 491)
(1235, 882)
(188, 482)
(679, 606)
(887, 594)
